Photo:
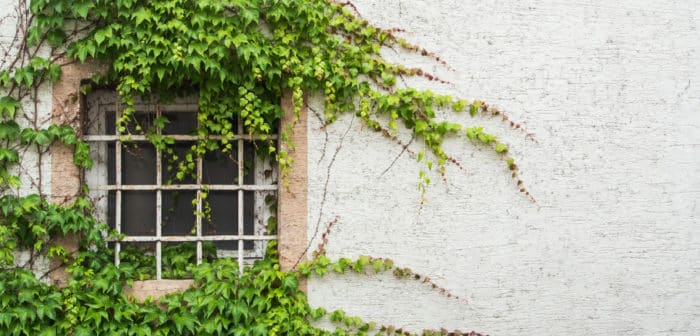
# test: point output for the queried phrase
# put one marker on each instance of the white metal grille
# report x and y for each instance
(99, 138)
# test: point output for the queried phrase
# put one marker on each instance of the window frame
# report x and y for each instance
(98, 104)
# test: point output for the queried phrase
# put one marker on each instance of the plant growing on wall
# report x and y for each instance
(239, 57)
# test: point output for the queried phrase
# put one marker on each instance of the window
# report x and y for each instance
(224, 205)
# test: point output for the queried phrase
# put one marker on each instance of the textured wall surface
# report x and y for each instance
(611, 91)
(34, 173)
(40, 114)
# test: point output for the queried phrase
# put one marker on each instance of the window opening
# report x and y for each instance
(135, 192)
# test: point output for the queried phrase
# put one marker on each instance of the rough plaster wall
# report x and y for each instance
(29, 172)
(611, 91)
(32, 181)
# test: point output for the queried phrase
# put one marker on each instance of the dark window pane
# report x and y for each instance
(223, 219)
(248, 163)
(178, 213)
(111, 171)
(139, 213)
(222, 168)
(142, 120)
(219, 168)
(110, 123)
(170, 167)
(180, 123)
(138, 164)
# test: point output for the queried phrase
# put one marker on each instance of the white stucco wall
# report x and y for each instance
(9, 46)
(611, 91)
(29, 170)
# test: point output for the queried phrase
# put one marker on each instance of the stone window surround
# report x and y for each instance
(66, 179)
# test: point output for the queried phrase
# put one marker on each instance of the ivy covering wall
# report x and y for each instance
(238, 57)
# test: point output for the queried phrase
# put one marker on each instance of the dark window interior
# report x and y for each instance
(138, 167)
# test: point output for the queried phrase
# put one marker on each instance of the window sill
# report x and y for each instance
(156, 289)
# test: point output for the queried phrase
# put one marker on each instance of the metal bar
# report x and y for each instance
(185, 107)
(252, 187)
(198, 218)
(176, 239)
(176, 137)
(240, 198)
(118, 201)
(159, 209)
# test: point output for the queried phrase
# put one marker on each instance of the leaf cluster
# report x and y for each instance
(240, 57)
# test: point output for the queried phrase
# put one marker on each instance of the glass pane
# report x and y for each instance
(178, 213)
(248, 162)
(110, 123)
(170, 167)
(222, 168)
(219, 168)
(111, 156)
(183, 123)
(222, 219)
(141, 122)
(138, 164)
(139, 213)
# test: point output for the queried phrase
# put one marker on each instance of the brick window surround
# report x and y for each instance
(68, 106)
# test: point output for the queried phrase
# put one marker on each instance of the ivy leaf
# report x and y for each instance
(501, 148)
(54, 72)
(49, 331)
(420, 126)
(9, 106)
(338, 268)
(82, 9)
(475, 107)
(184, 321)
(239, 312)
(9, 130)
(9, 155)
(377, 265)
(290, 282)
(103, 34)
(82, 331)
(56, 37)
(140, 15)
(259, 330)
(42, 138)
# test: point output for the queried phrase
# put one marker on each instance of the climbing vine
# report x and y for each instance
(239, 57)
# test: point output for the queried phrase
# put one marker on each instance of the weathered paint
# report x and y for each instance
(610, 90)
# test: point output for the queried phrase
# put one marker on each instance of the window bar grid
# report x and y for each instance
(240, 198)
(240, 187)
(159, 206)
(118, 201)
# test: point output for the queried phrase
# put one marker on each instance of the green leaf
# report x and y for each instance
(54, 72)
(501, 148)
(140, 15)
(290, 282)
(420, 126)
(475, 107)
(102, 34)
(81, 9)
(377, 265)
(9, 155)
(9, 130)
(9, 106)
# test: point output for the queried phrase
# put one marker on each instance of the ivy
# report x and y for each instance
(239, 57)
